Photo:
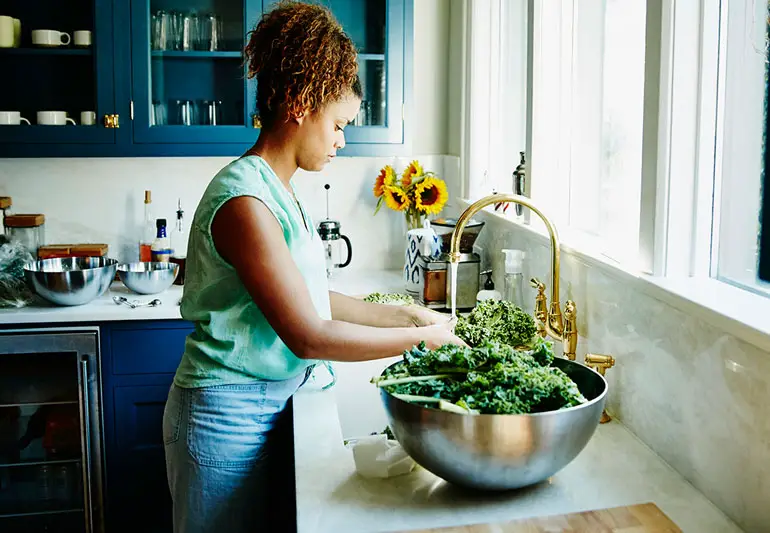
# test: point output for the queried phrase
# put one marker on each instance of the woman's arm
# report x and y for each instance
(357, 311)
(248, 236)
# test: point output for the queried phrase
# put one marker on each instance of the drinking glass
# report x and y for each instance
(211, 112)
(184, 112)
(211, 33)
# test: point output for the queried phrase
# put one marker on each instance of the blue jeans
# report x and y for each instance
(222, 443)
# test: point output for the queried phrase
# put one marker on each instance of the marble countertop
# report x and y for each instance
(104, 309)
(614, 469)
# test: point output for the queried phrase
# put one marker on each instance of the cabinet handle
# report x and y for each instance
(85, 401)
(112, 121)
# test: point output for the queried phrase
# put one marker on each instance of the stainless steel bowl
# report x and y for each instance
(499, 452)
(71, 281)
(148, 278)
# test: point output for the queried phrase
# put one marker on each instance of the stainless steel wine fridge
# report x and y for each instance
(50, 431)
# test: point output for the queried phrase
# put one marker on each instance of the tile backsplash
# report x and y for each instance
(101, 200)
(694, 394)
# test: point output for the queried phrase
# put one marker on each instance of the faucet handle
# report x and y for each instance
(600, 363)
(570, 331)
(541, 307)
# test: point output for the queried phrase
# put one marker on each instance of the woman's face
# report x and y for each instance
(322, 133)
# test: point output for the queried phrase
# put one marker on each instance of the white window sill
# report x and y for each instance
(738, 312)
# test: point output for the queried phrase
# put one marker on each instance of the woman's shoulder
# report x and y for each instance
(246, 176)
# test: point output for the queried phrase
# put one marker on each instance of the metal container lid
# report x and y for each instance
(329, 230)
(452, 222)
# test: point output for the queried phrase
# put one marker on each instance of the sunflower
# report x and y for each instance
(414, 170)
(395, 197)
(430, 195)
(387, 177)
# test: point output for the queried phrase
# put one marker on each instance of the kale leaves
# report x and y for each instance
(499, 321)
(491, 378)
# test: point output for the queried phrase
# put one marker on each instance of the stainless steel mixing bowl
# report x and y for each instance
(71, 281)
(498, 452)
(148, 278)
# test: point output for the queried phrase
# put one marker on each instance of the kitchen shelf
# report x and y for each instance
(39, 513)
(196, 54)
(40, 463)
(73, 402)
(46, 51)
(371, 57)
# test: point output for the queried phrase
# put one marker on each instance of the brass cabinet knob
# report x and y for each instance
(112, 121)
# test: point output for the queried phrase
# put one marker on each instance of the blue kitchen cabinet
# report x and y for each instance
(67, 78)
(138, 364)
(155, 95)
(188, 77)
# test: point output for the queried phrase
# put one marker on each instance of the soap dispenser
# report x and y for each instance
(488, 292)
(513, 291)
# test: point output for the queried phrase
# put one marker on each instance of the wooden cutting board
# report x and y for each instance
(642, 518)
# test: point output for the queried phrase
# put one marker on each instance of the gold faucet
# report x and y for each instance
(549, 321)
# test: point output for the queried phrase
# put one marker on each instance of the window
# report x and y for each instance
(741, 144)
(644, 124)
(586, 113)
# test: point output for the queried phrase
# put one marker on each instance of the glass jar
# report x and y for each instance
(29, 230)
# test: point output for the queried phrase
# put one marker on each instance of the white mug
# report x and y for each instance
(50, 38)
(11, 118)
(53, 118)
(87, 118)
(7, 32)
(82, 38)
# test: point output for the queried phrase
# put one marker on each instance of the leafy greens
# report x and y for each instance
(389, 298)
(499, 321)
(491, 378)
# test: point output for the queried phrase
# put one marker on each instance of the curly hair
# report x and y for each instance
(302, 59)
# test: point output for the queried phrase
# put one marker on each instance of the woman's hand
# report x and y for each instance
(442, 333)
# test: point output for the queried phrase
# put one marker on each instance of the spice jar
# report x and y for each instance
(29, 230)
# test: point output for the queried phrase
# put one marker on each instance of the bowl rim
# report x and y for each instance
(585, 405)
(109, 263)
(124, 267)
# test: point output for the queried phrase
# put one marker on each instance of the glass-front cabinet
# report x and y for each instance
(189, 82)
(377, 27)
(57, 72)
(167, 77)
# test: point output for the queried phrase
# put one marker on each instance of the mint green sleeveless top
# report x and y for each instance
(233, 341)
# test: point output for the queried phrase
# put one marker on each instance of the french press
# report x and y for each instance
(329, 231)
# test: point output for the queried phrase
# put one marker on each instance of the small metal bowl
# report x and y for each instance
(72, 280)
(499, 452)
(148, 278)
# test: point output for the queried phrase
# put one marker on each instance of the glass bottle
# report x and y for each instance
(161, 246)
(513, 290)
(148, 230)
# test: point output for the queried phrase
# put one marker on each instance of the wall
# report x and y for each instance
(693, 393)
(101, 200)
(430, 105)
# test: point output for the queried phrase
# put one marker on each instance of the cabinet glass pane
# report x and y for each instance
(365, 22)
(48, 64)
(196, 63)
(40, 442)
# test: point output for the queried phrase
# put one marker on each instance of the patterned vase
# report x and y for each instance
(419, 241)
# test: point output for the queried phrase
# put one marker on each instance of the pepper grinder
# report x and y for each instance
(330, 232)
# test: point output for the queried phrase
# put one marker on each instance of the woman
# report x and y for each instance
(256, 286)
